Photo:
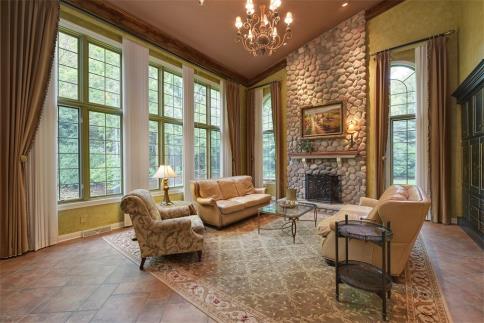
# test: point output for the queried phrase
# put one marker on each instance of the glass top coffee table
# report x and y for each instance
(291, 215)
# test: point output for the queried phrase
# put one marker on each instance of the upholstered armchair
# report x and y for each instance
(162, 232)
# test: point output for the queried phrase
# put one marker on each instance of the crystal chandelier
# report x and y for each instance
(258, 33)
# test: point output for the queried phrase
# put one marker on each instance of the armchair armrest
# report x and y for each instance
(171, 225)
(206, 201)
(175, 211)
(260, 190)
(366, 201)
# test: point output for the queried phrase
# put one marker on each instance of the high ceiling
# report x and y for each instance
(210, 28)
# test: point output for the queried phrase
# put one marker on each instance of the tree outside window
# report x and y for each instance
(268, 143)
(89, 121)
(402, 124)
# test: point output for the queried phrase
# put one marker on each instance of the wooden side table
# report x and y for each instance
(360, 274)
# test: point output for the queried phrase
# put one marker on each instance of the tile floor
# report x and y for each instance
(86, 280)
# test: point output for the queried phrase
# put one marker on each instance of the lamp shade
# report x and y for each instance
(164, 171)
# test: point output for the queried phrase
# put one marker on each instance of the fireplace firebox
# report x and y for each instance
(324, 188)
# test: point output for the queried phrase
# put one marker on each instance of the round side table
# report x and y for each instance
(359, 274)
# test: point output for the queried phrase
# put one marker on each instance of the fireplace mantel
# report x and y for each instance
(337, 154)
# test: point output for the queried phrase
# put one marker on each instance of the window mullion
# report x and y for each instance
(84, 75)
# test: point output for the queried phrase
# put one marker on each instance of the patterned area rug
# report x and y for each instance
(247, 277)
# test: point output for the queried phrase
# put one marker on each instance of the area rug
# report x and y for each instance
(249, 277)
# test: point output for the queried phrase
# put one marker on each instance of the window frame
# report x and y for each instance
(84, 107)
(208, 125)
(161, 119)
(400, 117)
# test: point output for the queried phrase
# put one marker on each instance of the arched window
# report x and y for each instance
(402, 124)
(268, 144)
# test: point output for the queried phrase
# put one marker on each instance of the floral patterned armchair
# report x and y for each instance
(162, 232)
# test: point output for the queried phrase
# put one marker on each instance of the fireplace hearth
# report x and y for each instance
(324, 188)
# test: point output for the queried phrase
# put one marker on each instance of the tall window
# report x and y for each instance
(402, 124)
(166, 123)
(268, 143)
(207, 113)
(89, 118)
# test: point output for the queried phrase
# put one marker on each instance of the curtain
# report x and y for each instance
(277, 126)
(188, 131)
(258, 138)
(382, 107)
(438, 130)
(233, 118)
(422, 118)
(41, 175)
(135, 126)
(28, 31)
(250, 128)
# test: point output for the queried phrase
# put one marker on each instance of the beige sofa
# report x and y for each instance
(227, 200)
(404, 206)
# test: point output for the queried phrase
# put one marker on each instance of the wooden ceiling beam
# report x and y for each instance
(129, 23)
(271, 70)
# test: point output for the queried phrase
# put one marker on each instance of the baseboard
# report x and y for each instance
(478, 239)
(78, 234)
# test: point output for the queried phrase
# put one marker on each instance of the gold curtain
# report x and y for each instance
(250, 115)
(233, 115)
(382, 108)
(277, 126)
(28, 32)
(438, 131)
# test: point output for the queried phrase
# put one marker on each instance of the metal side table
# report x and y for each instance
(360, 274)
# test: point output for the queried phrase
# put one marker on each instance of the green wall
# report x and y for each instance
(89, 217)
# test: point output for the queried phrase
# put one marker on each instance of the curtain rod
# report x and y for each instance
(447, 33)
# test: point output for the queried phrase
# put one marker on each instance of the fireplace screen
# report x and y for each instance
(323, 188)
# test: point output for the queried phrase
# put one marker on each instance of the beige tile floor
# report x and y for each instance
(86, 280)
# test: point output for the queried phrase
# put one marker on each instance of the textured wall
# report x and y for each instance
(331, 67)
(471, 36)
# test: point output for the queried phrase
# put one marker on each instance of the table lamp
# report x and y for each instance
(165, 172)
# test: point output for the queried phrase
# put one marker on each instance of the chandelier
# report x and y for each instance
(258, 33)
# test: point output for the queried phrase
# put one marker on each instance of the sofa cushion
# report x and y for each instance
(227, 206)
(252, 199)
(209, 189)
(227, 187)
(244, 185)
(328, 224)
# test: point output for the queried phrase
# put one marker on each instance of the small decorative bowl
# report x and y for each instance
(287, 204)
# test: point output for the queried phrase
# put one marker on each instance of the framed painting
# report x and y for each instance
(322, 121)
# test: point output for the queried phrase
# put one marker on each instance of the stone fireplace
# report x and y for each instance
(330, 68)
(322, 188)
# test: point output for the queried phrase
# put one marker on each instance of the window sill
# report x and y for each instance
(93, 202)
(109, 200)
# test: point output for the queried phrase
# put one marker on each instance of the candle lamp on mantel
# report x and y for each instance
(351, 131)
(165, 172)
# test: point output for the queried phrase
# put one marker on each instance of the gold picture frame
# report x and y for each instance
(323, 121)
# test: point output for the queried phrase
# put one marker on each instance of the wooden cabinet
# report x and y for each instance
(470, 95)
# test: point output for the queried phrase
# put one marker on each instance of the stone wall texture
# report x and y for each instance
(330, 68)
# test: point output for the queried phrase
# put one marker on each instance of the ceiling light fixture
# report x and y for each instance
(344, 4)
(258, 33)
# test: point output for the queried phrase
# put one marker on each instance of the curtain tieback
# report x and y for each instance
(23, 158)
